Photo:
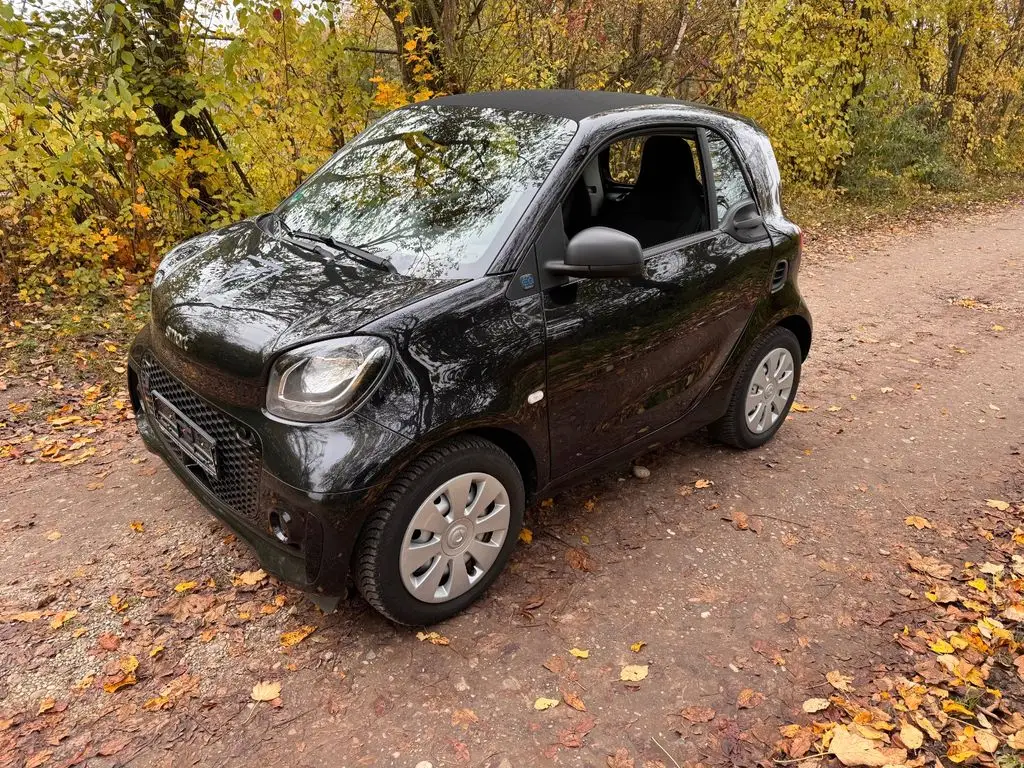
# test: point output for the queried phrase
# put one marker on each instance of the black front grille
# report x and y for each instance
(239, 454)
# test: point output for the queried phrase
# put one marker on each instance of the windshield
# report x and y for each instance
(435, 189)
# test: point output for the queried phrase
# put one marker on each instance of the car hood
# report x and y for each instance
(235, 297)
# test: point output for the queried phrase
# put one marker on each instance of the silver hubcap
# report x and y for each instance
(454, 537)
(769, 390)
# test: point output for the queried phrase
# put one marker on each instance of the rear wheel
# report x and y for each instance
(442, 534)
(763, 393)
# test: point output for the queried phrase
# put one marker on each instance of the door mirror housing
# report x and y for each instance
(601, 252)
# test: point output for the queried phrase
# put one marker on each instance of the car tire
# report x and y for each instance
(399, 547)
(743, 426)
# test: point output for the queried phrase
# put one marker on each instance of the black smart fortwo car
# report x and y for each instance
(478, 299)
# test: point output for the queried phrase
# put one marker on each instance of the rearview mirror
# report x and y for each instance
(601, 252)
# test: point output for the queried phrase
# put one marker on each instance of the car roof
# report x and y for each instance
(574, 105)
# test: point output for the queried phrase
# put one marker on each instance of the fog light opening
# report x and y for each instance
(280, 523)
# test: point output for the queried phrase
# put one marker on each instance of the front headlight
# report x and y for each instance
(319, 381)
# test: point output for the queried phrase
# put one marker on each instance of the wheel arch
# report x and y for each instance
(516, 447)
(800, 328)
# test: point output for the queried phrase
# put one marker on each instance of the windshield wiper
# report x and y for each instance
(355, 252)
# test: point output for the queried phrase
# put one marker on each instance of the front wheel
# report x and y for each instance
(763, 393)
(443, 532)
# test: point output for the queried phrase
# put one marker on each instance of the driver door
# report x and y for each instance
(628, 356)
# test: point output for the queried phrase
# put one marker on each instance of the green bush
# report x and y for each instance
(894, 155)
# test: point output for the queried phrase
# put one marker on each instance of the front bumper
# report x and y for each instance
(303, 537)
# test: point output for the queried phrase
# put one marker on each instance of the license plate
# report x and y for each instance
(186, 435)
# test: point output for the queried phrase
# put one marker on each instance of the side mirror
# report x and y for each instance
(601, 252)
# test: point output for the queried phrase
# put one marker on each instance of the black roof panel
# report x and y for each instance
(574, 105)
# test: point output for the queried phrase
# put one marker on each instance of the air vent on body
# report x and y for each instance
(780, 275)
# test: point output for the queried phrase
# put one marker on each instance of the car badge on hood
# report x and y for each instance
(176, 337)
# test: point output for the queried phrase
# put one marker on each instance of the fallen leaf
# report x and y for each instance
(62, 618)
(918, 522)
(979, 584)
(698, 714)
(911, 737)
(38, 758)
(816, 705)
(574, 701)
(46, 705)
(296, 636)
(108, 642)
(637, 646)
(941, 646)
(929, 566)
(578, 560)
(633, 673)
(266, 691)
(703, 484)
(749, 698)
(541, 704)
(1002, 506)
(839, 681)
(115, 685)
(801, 408)
(249, 578)
(620, 759)
(987, 740)
(740, 520)
(53, 535)
(464, 717)
(26, 617)
(526, 536)
(580, 653)
(854, 750)
(185, 586)
(434, 638)
(555, 664)
(572, 737)
(136, 526)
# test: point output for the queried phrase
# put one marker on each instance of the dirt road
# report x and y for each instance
(787, 564)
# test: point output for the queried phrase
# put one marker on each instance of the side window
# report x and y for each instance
(653, 188)
(730, 186)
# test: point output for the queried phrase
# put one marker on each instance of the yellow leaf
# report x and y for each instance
(136, 526)
(637, 646)
(703, 483)
(401, 16)
(979, 584)
(997, 328)
(941, 646)
(185, 586)
(526, 536)
(951, 706)
(633, 673)
(434, 638)
(249, 578)
(46, 705)
(749, 698)
(918, 522)
(852, 749)
(296, 636)
(1002, 506)
(541, 704)
(801, 408)
(25, 617)
(62, 618)
(123, 681)
(266, 691)
(816, 705)
(156, 651)
(839, 681)
(579, 653)
(410, 45)
(911, 737)
(53, 535)
(987, 740)
(129, 664)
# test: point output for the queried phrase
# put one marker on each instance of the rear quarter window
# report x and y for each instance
(730, 185)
